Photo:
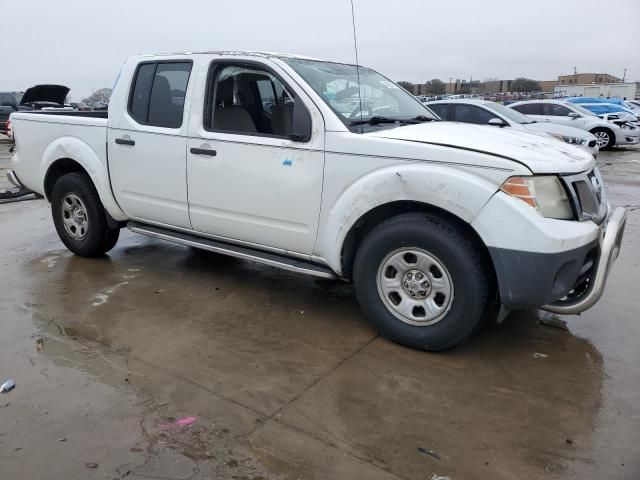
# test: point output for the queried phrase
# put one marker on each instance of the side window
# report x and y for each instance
(529, 108)
(471, 114)
(244, 99)
(555, 110)
(440, 109)
(158, 93)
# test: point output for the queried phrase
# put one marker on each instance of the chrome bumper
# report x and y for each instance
(610, 243)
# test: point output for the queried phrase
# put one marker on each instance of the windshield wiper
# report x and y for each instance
(377, 120)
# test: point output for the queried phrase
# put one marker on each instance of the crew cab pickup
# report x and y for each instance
(330, 170)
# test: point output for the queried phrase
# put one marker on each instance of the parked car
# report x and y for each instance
(38, 97)
(608, 109)
(9, 103)
(609, 134)
(80, 106)
(436, 223)
(483, 112)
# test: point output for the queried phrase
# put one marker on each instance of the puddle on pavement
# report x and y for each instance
(521, 398)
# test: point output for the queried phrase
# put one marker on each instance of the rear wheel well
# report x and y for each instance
(58, 169)
(374, 217)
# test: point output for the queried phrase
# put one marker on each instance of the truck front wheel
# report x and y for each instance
(422, 281)
(80, 218)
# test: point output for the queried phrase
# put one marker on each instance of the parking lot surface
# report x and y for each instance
(160, 361)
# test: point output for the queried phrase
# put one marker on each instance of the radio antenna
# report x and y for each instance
(355, 47)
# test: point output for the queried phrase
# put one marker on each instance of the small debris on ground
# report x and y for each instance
(91, 465)
(7, 386)
(62, 439)
(550, 320)
(438, 477)
(181, 422)
(540, 355)
(161, 290)
(40, 345)
(431, 453)
(569, 441)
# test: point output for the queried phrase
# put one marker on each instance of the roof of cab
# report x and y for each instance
(242, 53)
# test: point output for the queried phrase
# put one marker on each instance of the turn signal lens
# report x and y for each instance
(522, 188)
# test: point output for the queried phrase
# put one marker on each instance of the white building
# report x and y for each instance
(610, 90)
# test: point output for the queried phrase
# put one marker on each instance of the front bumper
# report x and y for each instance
(589, 290)
(627, 137)
(567, 282)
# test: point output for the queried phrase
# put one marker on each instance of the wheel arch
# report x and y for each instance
(609, 130)
(379, 214)
(70, 154)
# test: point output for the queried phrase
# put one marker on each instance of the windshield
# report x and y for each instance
(510, 113)
(338, 86)
(583, 110)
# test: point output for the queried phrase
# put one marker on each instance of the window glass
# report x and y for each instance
(250, 100)
(439, 109)
(555, 110)
(357, 93)
(158, 93)
(166, 104)
(471, 114)
(529, 108)
(139, 103)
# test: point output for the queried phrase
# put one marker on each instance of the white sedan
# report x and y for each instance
(491, 113)
(609, 133)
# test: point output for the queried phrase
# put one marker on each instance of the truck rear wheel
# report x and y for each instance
(80, 218)
(422, 281)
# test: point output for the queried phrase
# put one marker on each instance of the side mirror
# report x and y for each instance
(574, 115)
(497, 122)
(300, 122)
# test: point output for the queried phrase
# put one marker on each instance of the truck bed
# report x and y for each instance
(43, 137)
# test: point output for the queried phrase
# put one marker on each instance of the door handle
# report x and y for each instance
(125, 141)
(203, 151)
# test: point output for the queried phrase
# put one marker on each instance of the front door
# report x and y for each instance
(147, 147)
(249, 181)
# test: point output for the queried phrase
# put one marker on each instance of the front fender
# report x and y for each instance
(79, 151)
(453, 189)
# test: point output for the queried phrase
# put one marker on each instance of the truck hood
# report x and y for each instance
(538, 153)
(45, 93)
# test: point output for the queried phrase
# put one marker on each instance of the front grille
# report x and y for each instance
(592, 143)
(587, 195)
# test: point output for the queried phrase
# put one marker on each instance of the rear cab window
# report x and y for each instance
(158, 93)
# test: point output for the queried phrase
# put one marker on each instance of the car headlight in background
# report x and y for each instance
(545, 193)
(570, 140)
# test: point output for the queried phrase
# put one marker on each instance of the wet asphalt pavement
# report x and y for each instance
(160, 361)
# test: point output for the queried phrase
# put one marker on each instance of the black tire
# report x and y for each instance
(99, 238)
(602, 133)
(472, 278)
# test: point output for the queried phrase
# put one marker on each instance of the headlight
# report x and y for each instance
(569, 139)
(545, 193)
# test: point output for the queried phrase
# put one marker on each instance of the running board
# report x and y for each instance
(244, 253)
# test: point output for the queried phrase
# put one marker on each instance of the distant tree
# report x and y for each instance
(525, 85)
(408, 86)
(436, 86)
(98, 98)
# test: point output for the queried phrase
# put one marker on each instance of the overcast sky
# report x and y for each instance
(83, 43)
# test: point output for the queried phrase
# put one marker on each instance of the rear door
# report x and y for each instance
(147, 144)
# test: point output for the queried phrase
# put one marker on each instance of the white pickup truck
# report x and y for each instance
(330, 170)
